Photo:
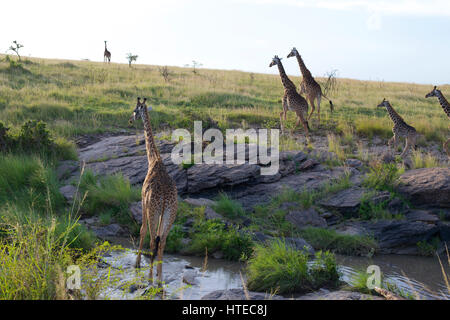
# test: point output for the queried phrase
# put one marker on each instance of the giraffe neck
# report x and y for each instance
(152, 150)
(443, 102)
(287, 83)
(305, 72)
(395, 117)
(105, 47)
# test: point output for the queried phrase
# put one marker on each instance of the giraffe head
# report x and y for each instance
(383, 103)
(293, 53)
(275, 61)
(433, 93)
(141, 107)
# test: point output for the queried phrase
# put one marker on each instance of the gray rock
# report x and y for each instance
(204, 176)
(239, 294)
(427, 186)
(338, 295)
(109, 231)
(299, 244)
(136, 211)
(387, 157)
(399, 236)
(68, 192)
(66, 168)
(421, 215)
(189, 277)
(348, 201)
(354, 163)
(306, 218)
(307, 165)
(200, 202)
(217, 255)
(210, 214)
(444, 231)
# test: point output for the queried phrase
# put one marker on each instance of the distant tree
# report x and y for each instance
(164, 72)
(131, 58)
(15, 47)
(194, 65)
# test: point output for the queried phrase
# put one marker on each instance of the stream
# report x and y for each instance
(421, 277)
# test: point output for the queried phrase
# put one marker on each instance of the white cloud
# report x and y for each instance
(374, 21)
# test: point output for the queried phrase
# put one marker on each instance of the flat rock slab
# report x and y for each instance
(338, 295)
(427, 186)
(239, 294)
(306, 218)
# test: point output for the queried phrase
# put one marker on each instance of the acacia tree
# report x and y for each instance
(194, 65)
(131, 58)
(15, 47)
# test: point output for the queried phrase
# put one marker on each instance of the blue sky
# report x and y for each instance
(395, 40)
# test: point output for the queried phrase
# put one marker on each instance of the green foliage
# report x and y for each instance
(111, 194)
(174, 241)
(327, 239)
(228, 207)
(27, 182)
(369, 210)
(276, 267)
(428, 248)
(383, 176)
(213, 235)
(34, 136)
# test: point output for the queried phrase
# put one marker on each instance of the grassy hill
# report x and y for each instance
(79, 97)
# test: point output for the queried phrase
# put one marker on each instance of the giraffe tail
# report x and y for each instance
(155, 251)
(331, 103)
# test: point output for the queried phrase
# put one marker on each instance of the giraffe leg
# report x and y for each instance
(281, 122)
(407, 146)
(152, 249)
(446, 147)
(392, 143)
(143, 233)
(319, 96)
(311, 102)
(160, 258)
(285, 105)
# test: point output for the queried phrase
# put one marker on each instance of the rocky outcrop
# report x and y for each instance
(306, 218)
(427, 186)
(324, 294)
(347, 202)
(393, 236)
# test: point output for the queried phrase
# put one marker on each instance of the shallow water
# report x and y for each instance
(421, 277)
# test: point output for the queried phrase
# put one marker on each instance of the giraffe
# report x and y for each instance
(292, 100)
(446, 106)
(400, 129)
(309, 86)
(106, 55)
(159, 196)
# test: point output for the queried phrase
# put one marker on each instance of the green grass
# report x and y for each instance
(383, 176)
(78, 97)
(327, 239)
(278, 268)
(228, 207)
(109, 197)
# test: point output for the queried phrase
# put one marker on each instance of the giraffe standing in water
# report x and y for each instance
(309, 86)
(400, 129)
(292, 100)
(106, 55)
(445, 106)
(159, 196)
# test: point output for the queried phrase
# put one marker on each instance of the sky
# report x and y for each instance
(397, 40)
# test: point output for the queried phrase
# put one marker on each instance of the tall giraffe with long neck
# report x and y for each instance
(446, 107)
(292, 100)
(400, 129)
(309, 86)
(106, 55)
(159, 197)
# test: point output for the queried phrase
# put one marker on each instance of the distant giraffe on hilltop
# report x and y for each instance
(292, 100)
(106, 55)
(400, 129)
(445, 106)
(309, 86)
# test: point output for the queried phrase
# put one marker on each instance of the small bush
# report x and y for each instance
(277, 267)
(326, 239)
(383, 176)
(212, 235)
(228, 207)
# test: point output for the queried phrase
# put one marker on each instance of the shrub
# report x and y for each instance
(34, 136)
(382, 176)
(228, 207)
(276, 267)
(326, 239)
